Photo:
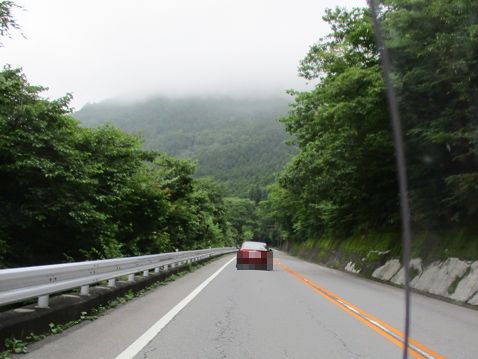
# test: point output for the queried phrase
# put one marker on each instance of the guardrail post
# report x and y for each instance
(146, 273)
(43, 301)
(111, 282)
(156, 270)
(85, 290)
(131, 277)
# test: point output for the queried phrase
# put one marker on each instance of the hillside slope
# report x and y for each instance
(237, 141)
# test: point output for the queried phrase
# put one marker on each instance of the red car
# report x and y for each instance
(254, 255)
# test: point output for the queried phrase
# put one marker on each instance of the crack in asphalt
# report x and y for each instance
(150, 351)
(334, 334)
(225, 332)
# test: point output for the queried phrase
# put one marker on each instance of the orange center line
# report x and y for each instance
(416, 349)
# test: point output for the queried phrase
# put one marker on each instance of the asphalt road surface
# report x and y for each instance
(299, 310)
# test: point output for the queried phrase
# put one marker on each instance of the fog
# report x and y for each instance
(99, 49)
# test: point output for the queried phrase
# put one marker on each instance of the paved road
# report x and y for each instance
(299, 310)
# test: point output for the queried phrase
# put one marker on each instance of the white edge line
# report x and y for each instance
(154, 330)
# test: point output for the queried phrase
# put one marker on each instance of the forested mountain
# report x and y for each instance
(237, 141)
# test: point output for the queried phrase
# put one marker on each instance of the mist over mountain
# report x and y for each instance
(238, 141)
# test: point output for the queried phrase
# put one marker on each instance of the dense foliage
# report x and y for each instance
(343, 180)
(7, 21)
(434, 47)
(237, 141)
(68, 192)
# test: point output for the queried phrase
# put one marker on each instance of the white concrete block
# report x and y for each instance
(388, 270)
(415, 265)
(438, 277)
(468, 286)
(350, 267)
(474, 300)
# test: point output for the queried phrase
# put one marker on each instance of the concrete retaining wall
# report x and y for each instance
(452, 278)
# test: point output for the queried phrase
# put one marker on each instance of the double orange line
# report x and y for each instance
(416, 349)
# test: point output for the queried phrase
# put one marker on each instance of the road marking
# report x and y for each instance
(416, 349)
(149, 335)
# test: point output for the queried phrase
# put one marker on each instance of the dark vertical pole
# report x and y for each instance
(401, 164)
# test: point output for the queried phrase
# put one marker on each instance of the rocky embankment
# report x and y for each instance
(452, 278)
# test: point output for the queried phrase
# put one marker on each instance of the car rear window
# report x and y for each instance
(254, 245)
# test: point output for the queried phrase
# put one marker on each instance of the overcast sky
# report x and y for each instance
(99, 49)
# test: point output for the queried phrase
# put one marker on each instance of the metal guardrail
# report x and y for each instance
(20, 284)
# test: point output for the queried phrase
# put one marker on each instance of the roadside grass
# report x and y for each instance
(374, 248)
(446, 243)
(17, 346)
(365, 250)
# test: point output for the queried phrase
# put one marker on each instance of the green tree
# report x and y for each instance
(242, 216)
(68, 192)
(343, 179)
(434, 47)
(7, 21)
